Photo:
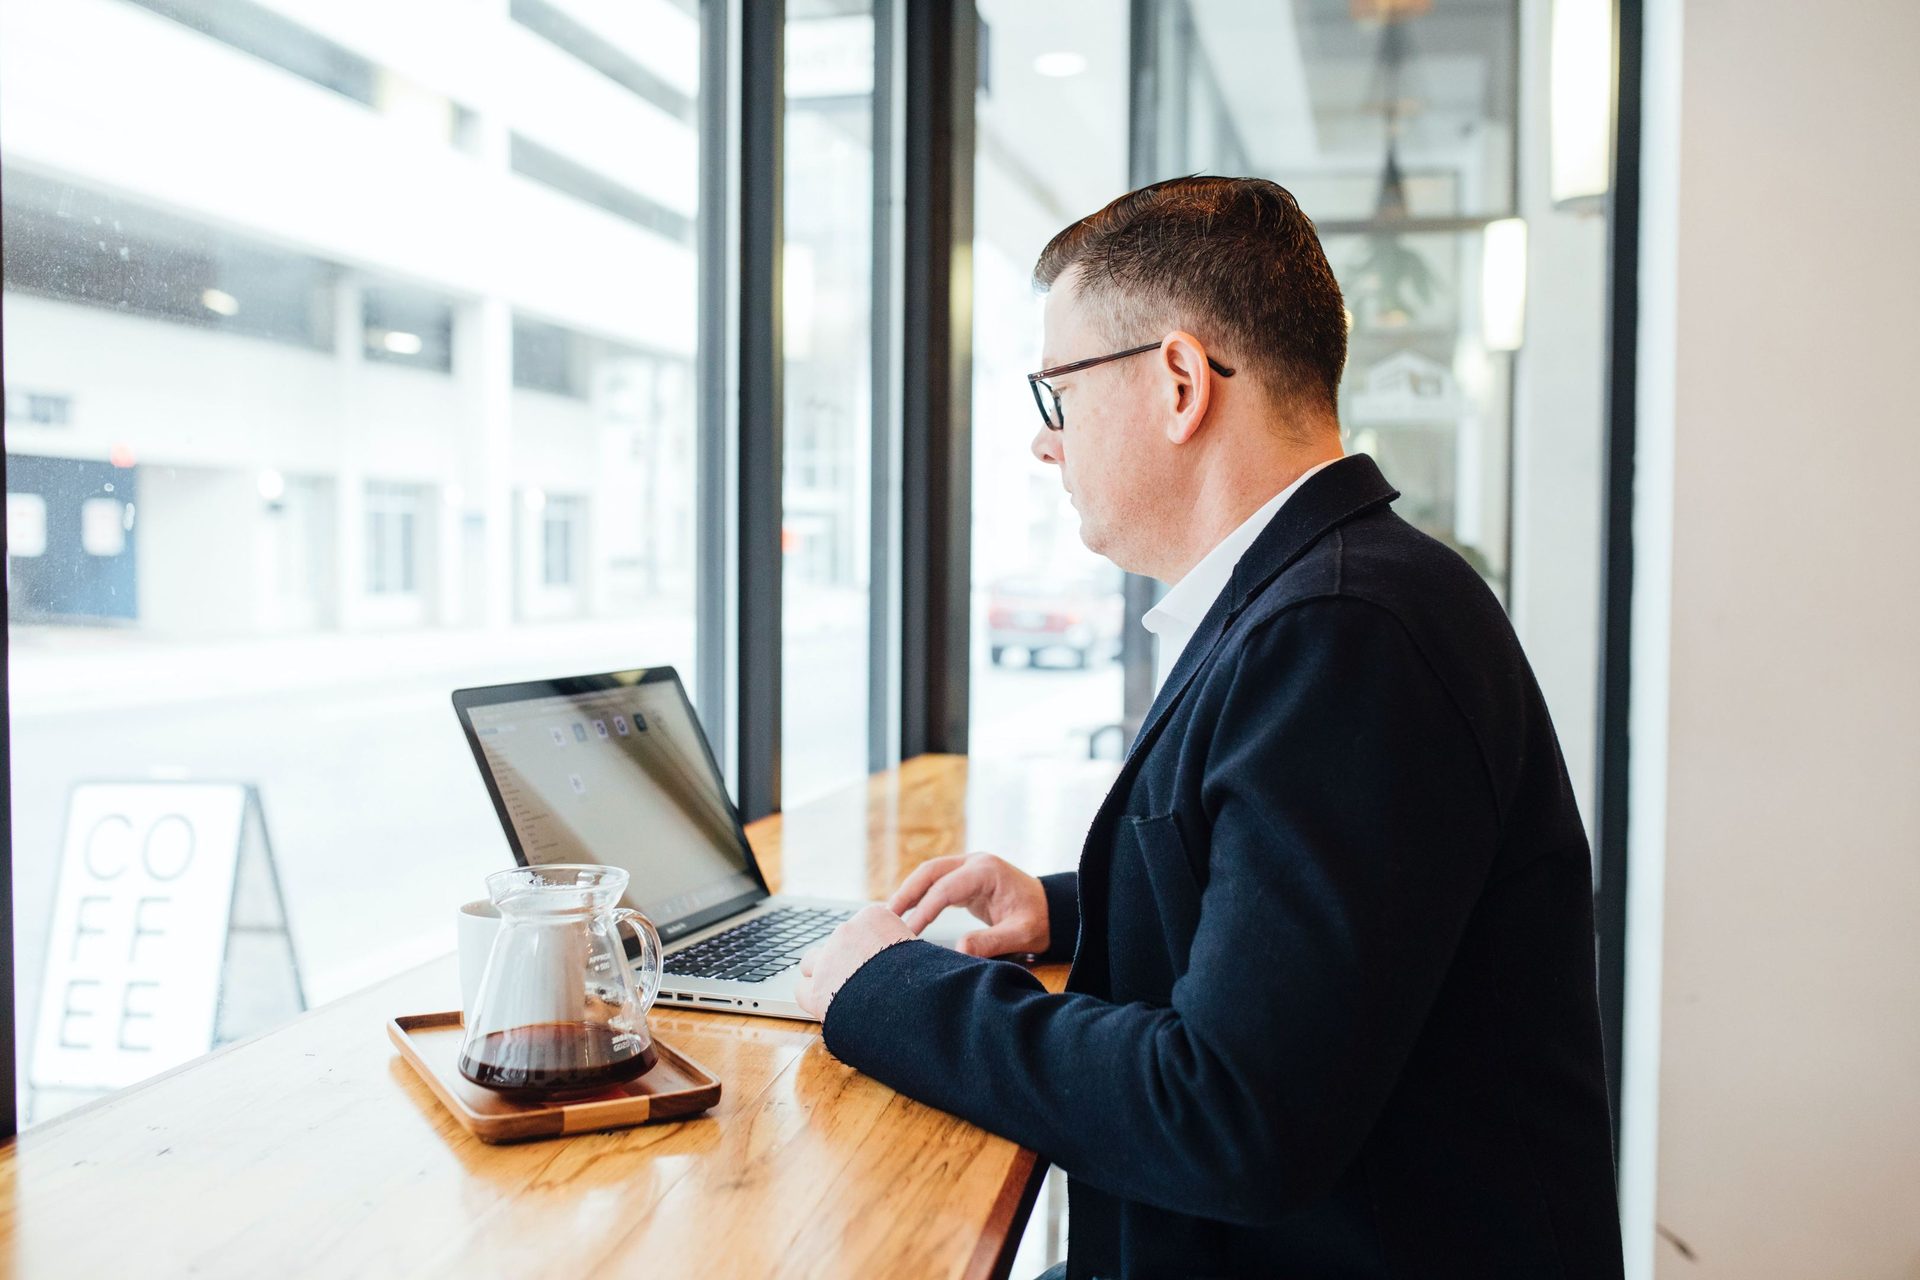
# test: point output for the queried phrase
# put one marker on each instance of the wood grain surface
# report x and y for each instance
(674, 1086)
(315, 1150)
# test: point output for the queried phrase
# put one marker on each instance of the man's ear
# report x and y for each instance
(1189, 390)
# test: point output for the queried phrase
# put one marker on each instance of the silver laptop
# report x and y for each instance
(613, 769)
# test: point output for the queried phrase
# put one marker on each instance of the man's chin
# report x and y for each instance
(1094, 537)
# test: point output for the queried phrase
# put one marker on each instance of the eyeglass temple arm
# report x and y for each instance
(1078, 365)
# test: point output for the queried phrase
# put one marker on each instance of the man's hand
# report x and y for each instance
(1011, 902)
(826, 968)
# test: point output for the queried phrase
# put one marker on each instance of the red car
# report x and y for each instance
(1080, 616)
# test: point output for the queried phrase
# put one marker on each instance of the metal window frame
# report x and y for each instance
(925, 70)
(717, 378)
(1616, 604)
(884, 615)
(941, 61)
(760, 434)
(1145, 131)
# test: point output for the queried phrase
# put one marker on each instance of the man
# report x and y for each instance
(1332, 1006)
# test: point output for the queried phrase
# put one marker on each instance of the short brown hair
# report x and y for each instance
(1233, 257)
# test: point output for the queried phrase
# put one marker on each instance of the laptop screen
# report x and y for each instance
(614, 770)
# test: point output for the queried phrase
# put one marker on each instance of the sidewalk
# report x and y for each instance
(55, 670)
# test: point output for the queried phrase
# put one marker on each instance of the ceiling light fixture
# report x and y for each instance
(1060, 64)
(1581, 103)
(1503, 284)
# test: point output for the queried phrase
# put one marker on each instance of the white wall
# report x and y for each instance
(174, 395)
(180, 396)
(1777, 717)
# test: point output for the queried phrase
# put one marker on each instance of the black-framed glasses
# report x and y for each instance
(1056, 421)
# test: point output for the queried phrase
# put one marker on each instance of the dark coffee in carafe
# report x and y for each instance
(555, 1060)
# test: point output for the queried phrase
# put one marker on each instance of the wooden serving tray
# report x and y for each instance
(676, 1086)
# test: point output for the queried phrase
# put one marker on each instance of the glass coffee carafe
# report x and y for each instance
(561, 1011)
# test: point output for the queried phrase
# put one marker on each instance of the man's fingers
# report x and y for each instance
(806, 997)
(1001, 940)
(807, 959)
(954, 887)
(923, 876)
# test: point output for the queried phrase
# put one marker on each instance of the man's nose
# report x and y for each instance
(1046, 446)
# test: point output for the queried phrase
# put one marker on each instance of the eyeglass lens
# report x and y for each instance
(1049, 412)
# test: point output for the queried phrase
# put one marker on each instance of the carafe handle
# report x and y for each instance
(652, 958)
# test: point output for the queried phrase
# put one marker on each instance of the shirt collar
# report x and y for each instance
(1188, 600)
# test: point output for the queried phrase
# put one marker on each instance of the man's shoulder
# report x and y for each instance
(1373, 593)
(1377, 590)
(1379, 559)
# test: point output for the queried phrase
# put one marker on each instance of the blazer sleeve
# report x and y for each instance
(1063, 914)
(1350, 823)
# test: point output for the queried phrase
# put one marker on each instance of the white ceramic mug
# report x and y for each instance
(479, 922)
(479, 926)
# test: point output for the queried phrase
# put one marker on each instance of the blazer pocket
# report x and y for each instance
(1175, 888)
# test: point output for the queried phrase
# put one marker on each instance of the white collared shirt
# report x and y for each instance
(1173, 620)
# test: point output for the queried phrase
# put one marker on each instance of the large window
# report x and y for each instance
(1474, 364)
(349, 360)
(1393, 123)
(827, 332)
(1415, 135)
(1047, 613)
(560, 545)
(393, 522)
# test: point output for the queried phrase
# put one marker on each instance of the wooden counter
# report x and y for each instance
(314, 1150)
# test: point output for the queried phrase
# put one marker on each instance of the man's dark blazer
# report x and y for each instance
(1332, 1007)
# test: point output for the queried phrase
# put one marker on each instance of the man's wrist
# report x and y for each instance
(1062, 891)
(870, 981)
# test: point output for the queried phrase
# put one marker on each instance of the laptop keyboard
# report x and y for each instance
(758, 949)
